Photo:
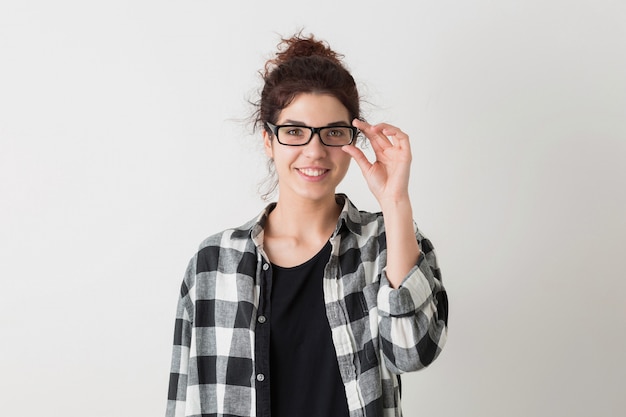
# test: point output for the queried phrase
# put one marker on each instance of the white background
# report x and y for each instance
(124, 143)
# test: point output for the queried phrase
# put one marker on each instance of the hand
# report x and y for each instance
(388, 176)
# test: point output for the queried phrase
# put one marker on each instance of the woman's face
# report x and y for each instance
(314, 170)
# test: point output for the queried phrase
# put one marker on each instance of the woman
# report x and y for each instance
(313, 308)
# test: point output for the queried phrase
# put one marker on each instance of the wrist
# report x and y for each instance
(400, 202)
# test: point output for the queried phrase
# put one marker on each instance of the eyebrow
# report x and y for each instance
(299, 123)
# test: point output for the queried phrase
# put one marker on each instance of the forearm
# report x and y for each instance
(402, 247)
(413, 337)
(414, 317)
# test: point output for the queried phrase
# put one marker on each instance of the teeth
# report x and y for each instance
(312, 172)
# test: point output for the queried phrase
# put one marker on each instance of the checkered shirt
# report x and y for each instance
(378, 332)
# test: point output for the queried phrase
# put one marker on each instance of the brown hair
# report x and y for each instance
(304, 64)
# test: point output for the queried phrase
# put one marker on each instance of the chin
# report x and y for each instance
(313, 193)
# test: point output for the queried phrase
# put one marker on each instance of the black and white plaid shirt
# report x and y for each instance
(219, 361)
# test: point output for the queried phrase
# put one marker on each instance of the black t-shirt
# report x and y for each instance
(304, 374)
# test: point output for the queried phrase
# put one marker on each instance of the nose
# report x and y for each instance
(315, 147)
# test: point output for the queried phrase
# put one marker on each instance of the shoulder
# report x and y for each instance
(231, 248)
(236, 238)
(227, 238)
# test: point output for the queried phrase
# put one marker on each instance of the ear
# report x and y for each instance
(267, 144)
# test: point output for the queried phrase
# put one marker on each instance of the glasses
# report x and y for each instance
(296, 135)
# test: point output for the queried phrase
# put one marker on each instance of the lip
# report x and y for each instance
(313, 174)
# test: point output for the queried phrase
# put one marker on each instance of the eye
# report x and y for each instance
(336, 133)
(293, 131)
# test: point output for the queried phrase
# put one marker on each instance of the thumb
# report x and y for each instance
(358, 156)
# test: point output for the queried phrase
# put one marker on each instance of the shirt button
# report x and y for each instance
(260, 377)
(261, 319)
(266, 267)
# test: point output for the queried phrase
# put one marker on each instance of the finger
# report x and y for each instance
(396, 137)
(358, 155)
(394, 134)
(374, 133)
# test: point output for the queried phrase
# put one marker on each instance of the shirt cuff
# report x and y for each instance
(414, 291)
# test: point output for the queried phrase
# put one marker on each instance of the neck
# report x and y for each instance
(302, 218)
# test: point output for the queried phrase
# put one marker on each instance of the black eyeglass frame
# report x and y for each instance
(274, 130)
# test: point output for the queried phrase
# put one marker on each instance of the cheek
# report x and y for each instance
(283, 157)
(343, 164)
(345, 161)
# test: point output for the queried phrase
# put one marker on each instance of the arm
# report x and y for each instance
(402, 248)
(176, 398)
(413, 318)
(412, 302)
(388, 179)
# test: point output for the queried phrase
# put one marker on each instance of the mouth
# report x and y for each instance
(313, 172)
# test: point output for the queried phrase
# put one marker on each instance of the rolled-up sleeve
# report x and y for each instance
(414, 317)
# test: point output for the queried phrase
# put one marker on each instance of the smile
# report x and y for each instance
(312, 172)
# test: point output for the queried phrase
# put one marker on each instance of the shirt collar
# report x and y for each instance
(349, 218)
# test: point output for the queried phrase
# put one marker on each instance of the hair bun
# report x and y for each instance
(302, 46)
